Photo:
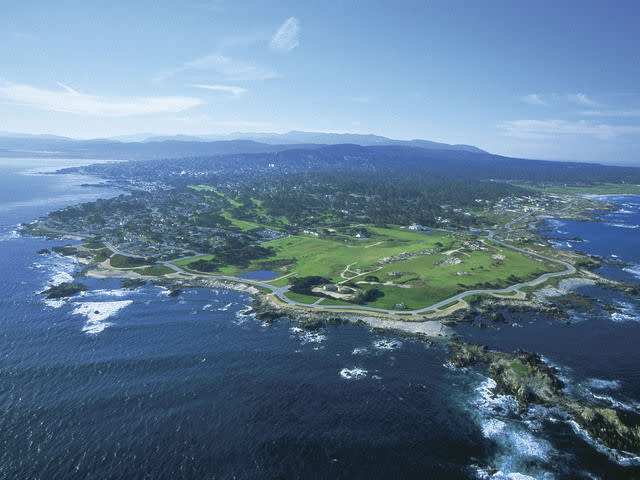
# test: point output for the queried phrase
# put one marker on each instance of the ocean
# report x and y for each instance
(131, 383)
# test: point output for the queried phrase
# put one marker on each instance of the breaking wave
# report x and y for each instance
(97, 314)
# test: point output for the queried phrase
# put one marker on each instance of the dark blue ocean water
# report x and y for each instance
(614, 237)
(118, 383)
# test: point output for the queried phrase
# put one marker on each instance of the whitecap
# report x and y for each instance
(623, 225)
(626, 459)
(12, 235)
(359, 351)
(226, 307)
(97, 313)
(54, 303)
(111, 293)
(600, 384)
(635, 270)
(308, 337)
(243, 315)
(387, 344)
(498, 419)
(453, 368)
(353, 373)
(624, 317)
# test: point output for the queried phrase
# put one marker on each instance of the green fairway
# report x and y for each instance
(412, 269)
(155, 270)
(601, 189)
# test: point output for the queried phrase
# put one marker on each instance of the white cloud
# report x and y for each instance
(222, 88)
(612, 113)
(286, 38)
(541, 129)
(582, 99)
(70, 101)
(226, 67)
(533, 99)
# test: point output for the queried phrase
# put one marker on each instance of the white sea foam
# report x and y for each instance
(355, 373)
(97, 313)
(635, 270)
(453, 368)
(499, 475)
(518, 446)
(625, 211)
(630, 407)
(226, 307)
(600, 384)
(359, 351)
(11, 235)
(244, 314)
(308, 337)
(623, 225)
(626, 313)
(112, 293)
(625, 459)
(387, 344)
(54, 303)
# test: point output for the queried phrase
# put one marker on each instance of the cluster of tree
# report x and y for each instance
(388, 160)
(305, 285)
(211, 220)
(367, 296)
(235, 253)
(373, 197)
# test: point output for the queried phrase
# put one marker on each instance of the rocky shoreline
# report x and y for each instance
(527, 378)
(522, 375)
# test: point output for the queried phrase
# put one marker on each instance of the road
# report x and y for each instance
(280, 292)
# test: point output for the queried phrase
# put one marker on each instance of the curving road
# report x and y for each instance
(280, 292)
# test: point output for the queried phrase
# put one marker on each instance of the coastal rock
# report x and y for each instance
(529, 379)
(64, 290)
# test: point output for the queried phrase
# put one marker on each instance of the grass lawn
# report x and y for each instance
(156, 270)
(122, 261)
(428, 278)
(298, 297)
(602, 189)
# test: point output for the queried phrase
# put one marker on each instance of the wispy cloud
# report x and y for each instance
(225, 67)
(612, 113)
(541, 129)
(222, 88)
(69, 100)
(582, 99)
(286, 37)
(534, 99)
(361, 99)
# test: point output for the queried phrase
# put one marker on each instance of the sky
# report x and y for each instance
(552, 80)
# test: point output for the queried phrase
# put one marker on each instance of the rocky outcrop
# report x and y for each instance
(527, 378)
(64, 290)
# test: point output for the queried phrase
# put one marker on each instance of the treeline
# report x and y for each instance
(372, 197)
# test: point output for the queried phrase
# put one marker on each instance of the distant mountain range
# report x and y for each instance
(148, 146)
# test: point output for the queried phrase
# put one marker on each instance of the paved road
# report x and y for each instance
(281, 291)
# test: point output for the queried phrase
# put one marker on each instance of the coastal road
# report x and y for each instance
(280, 292)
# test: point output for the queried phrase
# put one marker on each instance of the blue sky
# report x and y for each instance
(557, 80)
